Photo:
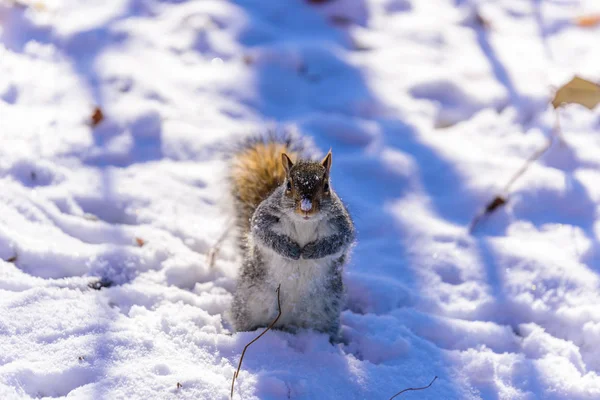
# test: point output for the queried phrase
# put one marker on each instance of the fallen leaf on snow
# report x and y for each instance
(494, 204)
(97, 116)
(588, 21)
(482, 21)
(579, 91)
(248, 59)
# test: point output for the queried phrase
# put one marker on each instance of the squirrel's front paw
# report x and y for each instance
(294, 252)
(310, 251)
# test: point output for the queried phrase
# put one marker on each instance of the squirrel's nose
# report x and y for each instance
(306, 205)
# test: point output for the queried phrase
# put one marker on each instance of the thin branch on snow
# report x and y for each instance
(534, 157)
(409, 389)
(237, 372)
(212, 254)
(500, 200)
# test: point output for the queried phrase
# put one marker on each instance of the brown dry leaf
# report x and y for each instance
(579, 91)
(248, 59)
(12, 259)
(494, 204)
(588, 21)
(482, 21)
(140, 242)
(97, 116)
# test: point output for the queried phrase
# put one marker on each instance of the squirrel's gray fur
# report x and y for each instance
(303, 251)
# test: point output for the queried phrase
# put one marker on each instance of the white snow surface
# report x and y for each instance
(429, 111)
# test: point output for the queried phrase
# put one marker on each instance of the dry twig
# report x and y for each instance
(501, 199)
(409, 389)
(237, 372)
(212, 254)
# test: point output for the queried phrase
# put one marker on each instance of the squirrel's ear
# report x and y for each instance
(327, 162)
(287, 163)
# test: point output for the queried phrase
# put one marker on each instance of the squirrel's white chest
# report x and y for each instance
(302, 288)
(304, 232)
(302, 281)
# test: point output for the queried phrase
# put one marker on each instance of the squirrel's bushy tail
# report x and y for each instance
(256, 171)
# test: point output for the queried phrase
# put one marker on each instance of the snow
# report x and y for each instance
(305, 205)
(429, 108)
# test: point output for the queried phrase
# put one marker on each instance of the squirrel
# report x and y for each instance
(294, 232)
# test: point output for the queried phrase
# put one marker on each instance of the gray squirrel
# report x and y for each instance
(294, 232)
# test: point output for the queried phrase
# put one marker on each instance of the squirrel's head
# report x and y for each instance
(306, 187)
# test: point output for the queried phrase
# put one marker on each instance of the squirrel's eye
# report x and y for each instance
(288, 186)
(326, 187)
